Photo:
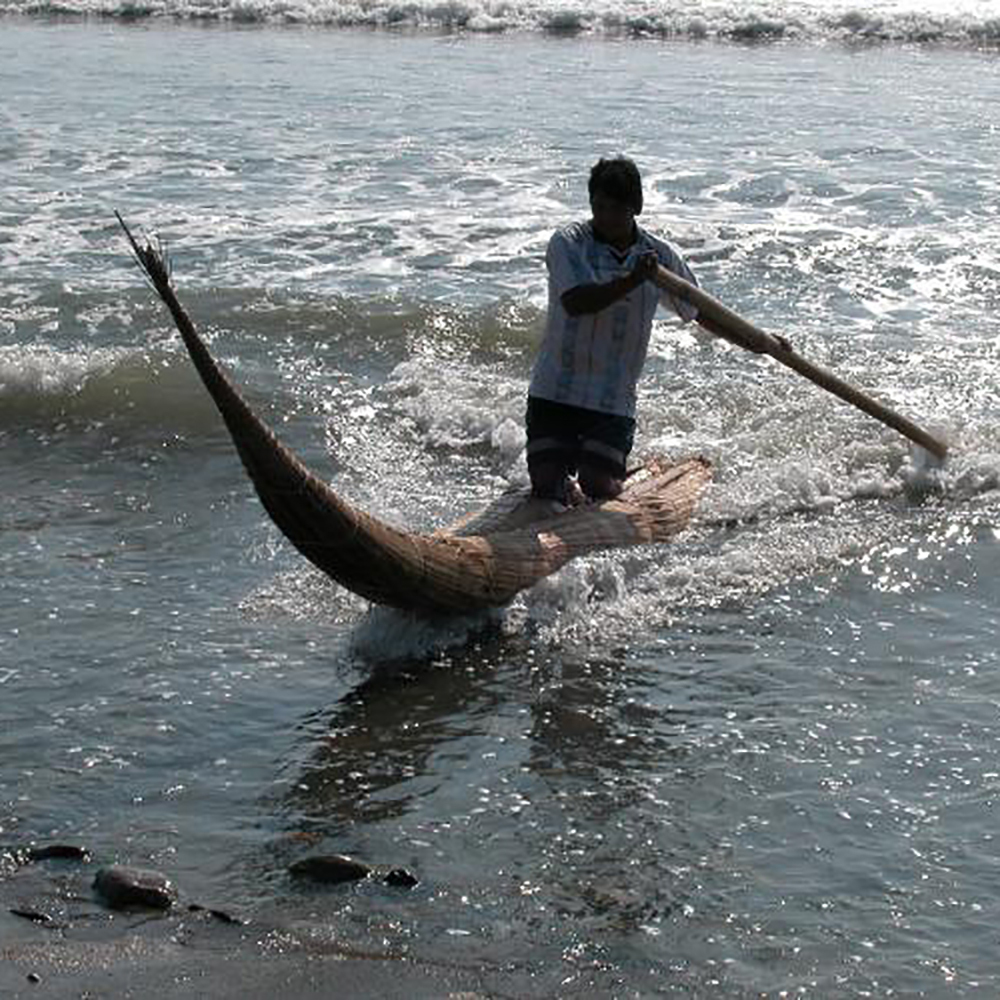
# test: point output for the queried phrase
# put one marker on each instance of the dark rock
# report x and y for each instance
(401, 878)
(330, 868)
(64, 852)
(33, 915)
(221, 915)
(121, 886)
(34, 977)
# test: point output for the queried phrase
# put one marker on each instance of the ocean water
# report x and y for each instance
(762, 761)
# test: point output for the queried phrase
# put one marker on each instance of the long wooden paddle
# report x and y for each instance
(753, 338)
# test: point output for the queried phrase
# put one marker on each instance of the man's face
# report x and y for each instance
(613, 219)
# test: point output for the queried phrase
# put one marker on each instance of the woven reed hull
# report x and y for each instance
(511, 546)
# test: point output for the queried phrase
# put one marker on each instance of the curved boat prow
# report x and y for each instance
(443, 573)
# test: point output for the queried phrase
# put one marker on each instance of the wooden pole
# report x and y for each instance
(745, 334)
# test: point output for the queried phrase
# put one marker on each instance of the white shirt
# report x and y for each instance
(595, 360)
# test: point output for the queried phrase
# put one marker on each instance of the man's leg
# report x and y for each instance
(549, 478)
(606, 444)
(597, 483)
(551, 448)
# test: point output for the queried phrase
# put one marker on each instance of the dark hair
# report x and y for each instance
(618, 178)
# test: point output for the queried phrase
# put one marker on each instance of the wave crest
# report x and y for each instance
(753, 21)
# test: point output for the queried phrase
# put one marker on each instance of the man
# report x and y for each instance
(602, 299)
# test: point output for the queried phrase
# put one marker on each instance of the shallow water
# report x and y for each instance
(761, 760)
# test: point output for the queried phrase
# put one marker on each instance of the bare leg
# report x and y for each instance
(549, 480)
(598, 484)
(574, 495)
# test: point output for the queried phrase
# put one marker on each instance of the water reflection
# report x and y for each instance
(559, 783)
(369, 756)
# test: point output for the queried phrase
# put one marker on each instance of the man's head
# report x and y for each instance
(619, 179)
(615, 197)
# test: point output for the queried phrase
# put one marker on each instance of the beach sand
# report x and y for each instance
(76, 947)
(173, 958)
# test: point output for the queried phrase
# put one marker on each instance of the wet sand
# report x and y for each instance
(59, 940)
(194, 958)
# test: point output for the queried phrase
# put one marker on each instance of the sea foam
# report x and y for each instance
(908, 21)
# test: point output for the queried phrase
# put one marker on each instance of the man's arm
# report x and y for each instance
(726, 334)
(584, 300)
(668, 281)
(720, 331)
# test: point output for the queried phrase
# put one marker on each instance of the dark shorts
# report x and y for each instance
(571, 435)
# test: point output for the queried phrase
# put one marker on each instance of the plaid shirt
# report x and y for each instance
(595, 360)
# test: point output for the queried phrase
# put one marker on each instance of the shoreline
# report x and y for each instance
(178, 956)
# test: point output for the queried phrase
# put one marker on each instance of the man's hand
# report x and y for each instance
(646, 265)
(586, 299)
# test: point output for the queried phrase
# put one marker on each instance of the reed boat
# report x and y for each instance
(482, 561)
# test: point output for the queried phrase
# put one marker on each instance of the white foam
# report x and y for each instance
(749, 20)
(45, 370)
(386, 635)
(458, 407)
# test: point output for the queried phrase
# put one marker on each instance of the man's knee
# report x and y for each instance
(549, 479)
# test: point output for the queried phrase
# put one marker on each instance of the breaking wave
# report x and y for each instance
(752, 21)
